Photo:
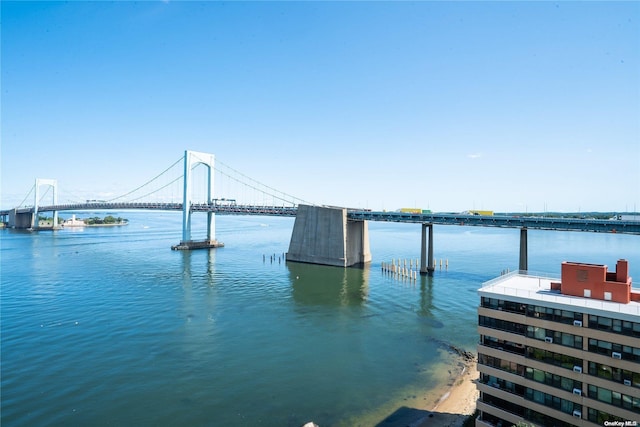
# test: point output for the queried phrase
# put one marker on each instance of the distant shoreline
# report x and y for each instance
(93, 225)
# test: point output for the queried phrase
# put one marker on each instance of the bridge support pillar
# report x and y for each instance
(192, 159)
(324, 236)
(427, 265)
(524, 260)
(20, 220)
(35, 223)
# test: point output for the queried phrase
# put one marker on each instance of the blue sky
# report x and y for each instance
(506, 106)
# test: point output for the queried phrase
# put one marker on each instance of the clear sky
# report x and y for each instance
(505, 106)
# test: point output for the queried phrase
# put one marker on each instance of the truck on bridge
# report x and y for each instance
(223, 202)
(475, 212)
(415, 210)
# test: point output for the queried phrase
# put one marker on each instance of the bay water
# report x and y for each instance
(107, 326)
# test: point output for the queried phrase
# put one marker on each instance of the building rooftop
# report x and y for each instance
(537, 288)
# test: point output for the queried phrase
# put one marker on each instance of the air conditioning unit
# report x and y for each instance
(548, 339)
(627, 382)
(577, 414)
(577, 323)
(577, 369)
(577, 391)
(616, 355)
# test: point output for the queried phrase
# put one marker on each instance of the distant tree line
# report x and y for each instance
(579, 215)
(109, 219)
(106, 220)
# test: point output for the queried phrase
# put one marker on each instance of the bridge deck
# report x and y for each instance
(540, 223)
(505, 221)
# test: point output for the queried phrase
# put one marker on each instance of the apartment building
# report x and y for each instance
(560, 352)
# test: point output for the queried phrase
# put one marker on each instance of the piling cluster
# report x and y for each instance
(273, 258)
(407, 269)
(400, 269)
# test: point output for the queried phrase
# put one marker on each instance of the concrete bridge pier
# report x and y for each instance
(427, 265)
(323, 235)
(19, 220)
(524, 259)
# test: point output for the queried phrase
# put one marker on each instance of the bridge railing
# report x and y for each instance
(525, 273)
(538, 223)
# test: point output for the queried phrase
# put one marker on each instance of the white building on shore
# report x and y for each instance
(73, 222)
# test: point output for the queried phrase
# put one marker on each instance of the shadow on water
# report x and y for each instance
(404, 416)
(426, 306)
(426, 296)
(413, 417)
(326, 285)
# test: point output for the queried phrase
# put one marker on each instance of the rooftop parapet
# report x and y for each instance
(540, 288)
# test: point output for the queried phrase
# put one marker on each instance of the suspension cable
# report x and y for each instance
(276, 194)
(158, 189)
(45, 193)
(148, 182)
(71, 197)
(33, 187)
(259, 189)
(262, 191)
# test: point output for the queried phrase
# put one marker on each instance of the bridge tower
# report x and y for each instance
(52, 183)
(192, 159)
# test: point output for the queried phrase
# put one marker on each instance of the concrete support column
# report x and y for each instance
(524, 260)
(211, 218)
(34, 219)
(427, 265)
(186, 199)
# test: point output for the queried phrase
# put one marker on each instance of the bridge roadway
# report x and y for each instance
(504, 221)
(196, 207)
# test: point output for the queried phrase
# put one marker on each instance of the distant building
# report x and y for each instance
(560, 353)
(73, 222)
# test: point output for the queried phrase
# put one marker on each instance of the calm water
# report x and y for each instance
(108, 326)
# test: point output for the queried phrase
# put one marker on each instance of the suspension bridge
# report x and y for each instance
(198, 183)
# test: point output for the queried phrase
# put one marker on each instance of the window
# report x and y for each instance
(582, 275)
(614, 325)
(614, 398)
(617, 326)
(604, 323)
(554, 402)
(557, 359)
(554, 380)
